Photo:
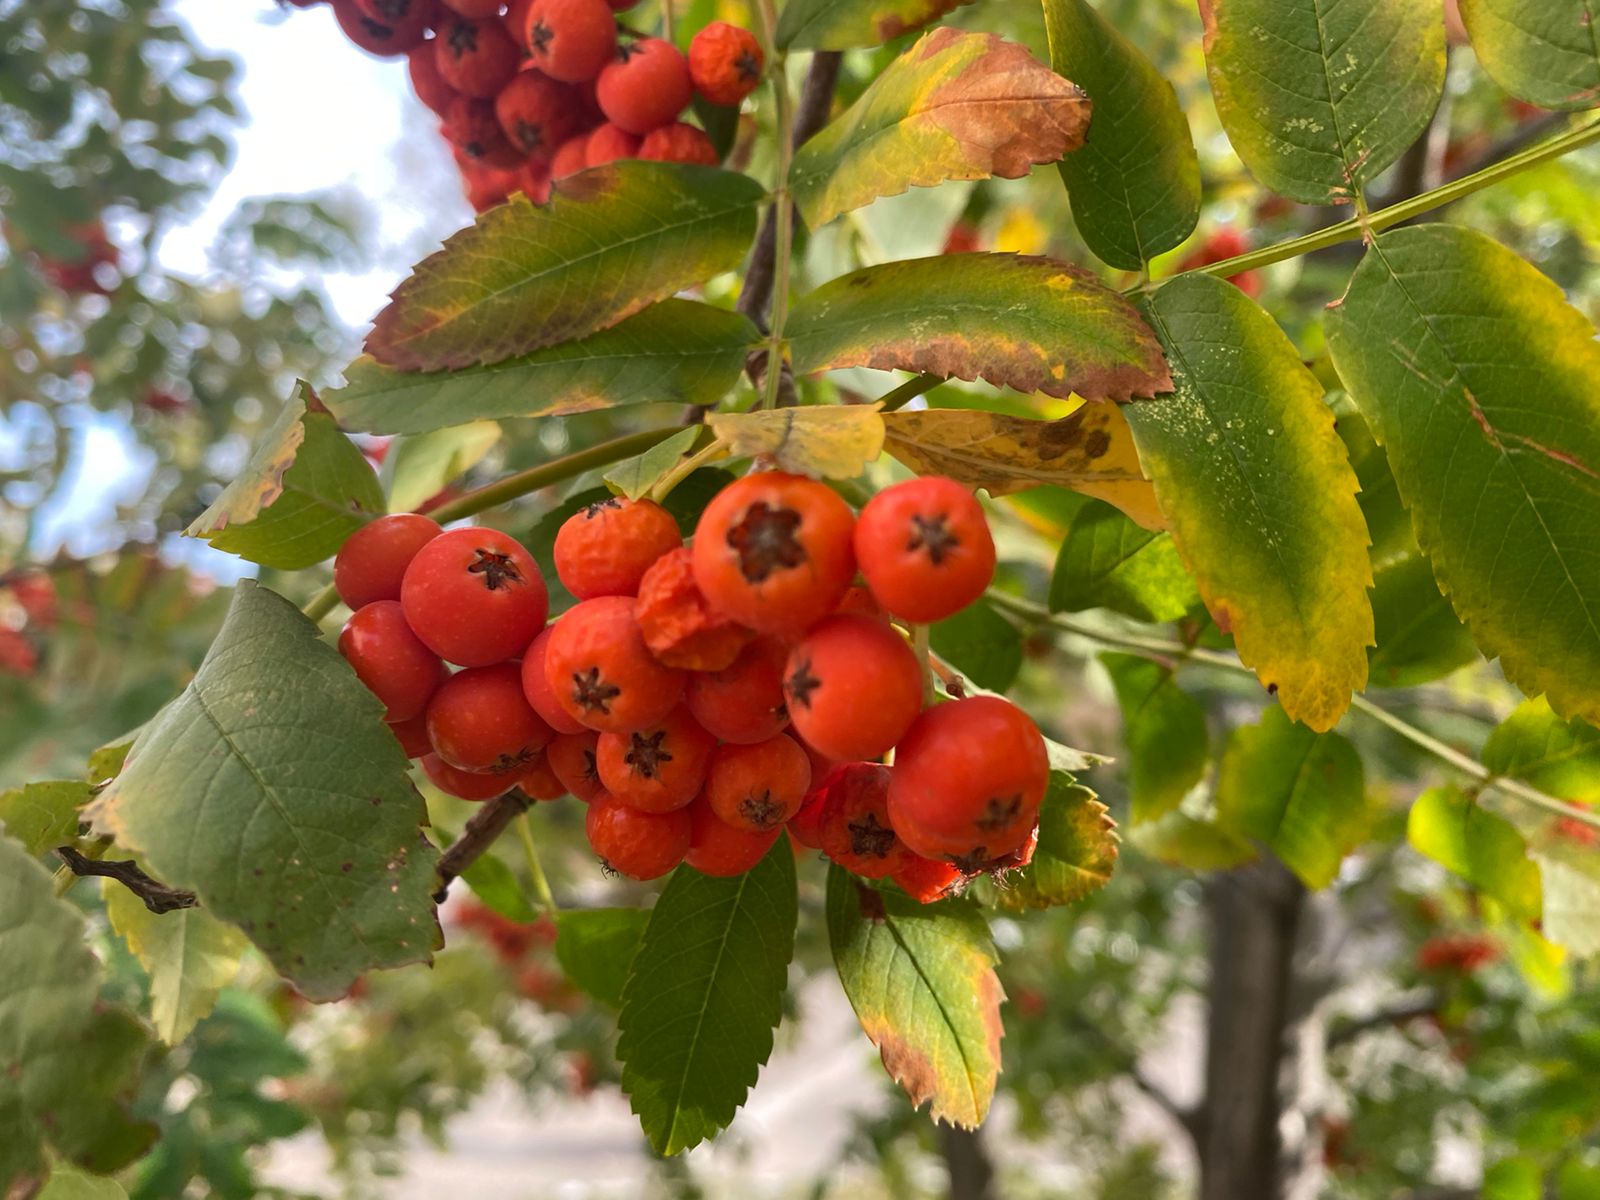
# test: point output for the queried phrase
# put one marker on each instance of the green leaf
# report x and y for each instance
(1164, 729)
(1077, 849)
(1319, 97)
(610, 241)
(1091, 452)
(921, 979)
(497, 886)
(1570, 906)
(1261, 497)
(425, 463)
(1543, 51)
(306, 490)
(272, 789)
(847, 24)
(1298, 792)
(596, 946)
(1418, 636)
(43, 816)
(1135, 184)
(69, 1183)
(703, 996)
(674, 352)
(1478, 378)
(189, 955)
(69, 1062)
(955, 106)
(1030, 323)
(636, 476)
(1556, 756)
(832, 441)
(1484, 849)
(1107, 561)
(1180, 840)
(981, 644)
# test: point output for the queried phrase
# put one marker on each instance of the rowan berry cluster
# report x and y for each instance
(536, 90)
(703, 698)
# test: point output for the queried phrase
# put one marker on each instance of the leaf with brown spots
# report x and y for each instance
(955, 106)
(1077, 850)
(834, 441)
(921, 979)
(1019, 321)
(1090, 452)
(306, 490)
(847, 24)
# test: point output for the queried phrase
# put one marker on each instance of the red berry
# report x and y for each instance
(471, 126)
(383, 38)
(607, 144)
(394, 664)
(603, 674)
(678, 143)
(968, 780)
(853, 687)
(925, 549)
(426, 81)
(635, 843)
(373, 559)
(927, 879)
(35, 592)
(725, 62)
(464, 785)
(540, 781)
(537, 113)
(717, 848)
(533, 180)
(773, 552)
(475, 597)
(477, 10)
(573, 757)
(479, 720)
(477, 58)
(759, 787)
(413, 735)
(605, 548)
(859, 601)
(678, 625)
(743, 702)
(570, 157)
(570, 40)
(805, 827)
(855, 828)
(659, 768)
(536, 686)
(486, 187)
(645, 86)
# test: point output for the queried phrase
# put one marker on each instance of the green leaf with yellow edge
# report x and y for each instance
(1298, 792)
(1180, 840)
(1561, 757)
(1135, 183)
(1019, 321)
(306, 489)
(1108, 561)
(832, 441)
(611, 241)
(674, 352)
(1091, 452)
(1320, 97)
(69, 1183)
(1164, 729)
(70, 1064)
(1261, 497)
(848, 24)
(273, 790)
(422, 465)
(1481, 847)
(704, 993)
(43, 816)
(595, 947)
(1077, 850)
(189, 955)
(1417, 636)
(1478, 378)
(955, 106)
(922, 982)
(1543, 51)
(636, 476)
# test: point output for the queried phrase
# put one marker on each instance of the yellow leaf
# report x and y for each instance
(831, 442)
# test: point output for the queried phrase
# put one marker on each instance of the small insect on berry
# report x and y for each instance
(474, 597)
(603, 674)
(719, 849)
(659, 768)
(773, 552)
(678, 143)
(570, 40)
(477, 58)
(536, 113)
(645, 86)
(635, 843)
(605, 548)
(373, 559)
(853, 687)
(758, 788)
(744, 702)
(725, 63)
(465, 785)
(678, 625)
(855, 829)
(479, 720)
(573, 757)
(925, 548)
(391, 660)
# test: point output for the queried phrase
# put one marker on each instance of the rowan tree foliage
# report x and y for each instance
(1263, 330)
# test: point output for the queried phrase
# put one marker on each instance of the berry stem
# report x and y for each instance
(710, 453)
(1176, 654)
(921, 642)
(667, 21)
(909, 391)
(783, 210)
(541, 884)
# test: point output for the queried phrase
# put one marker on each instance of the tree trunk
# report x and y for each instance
(967, 1161)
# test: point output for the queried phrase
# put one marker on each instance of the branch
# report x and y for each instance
(487, 824)
(1397, 1014)
(157, 896)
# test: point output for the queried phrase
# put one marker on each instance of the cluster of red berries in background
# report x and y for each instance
(537, 90)
(29, 608)
(702, 699)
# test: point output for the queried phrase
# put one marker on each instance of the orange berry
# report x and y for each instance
(605, 548)
(645, 86)
(925, 548)
(540, 781)
(635, 843)
(758, 788)
(373, 559)
(573, 758)
(678, 625)
(717, 848)
(853, 687)
(679, 143)
(659, 768)
(744, 701)
(927, 879)
(536, 687)
(603, 674)
(465, 785)
(725, 62)
(855, 828)
(479, 720)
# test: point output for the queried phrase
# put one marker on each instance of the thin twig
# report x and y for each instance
(157, 896)
(1398, 1014)
(486, 826)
